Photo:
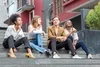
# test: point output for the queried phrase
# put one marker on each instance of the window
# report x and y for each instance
(31, 14)
(19, 3)
(58, 6)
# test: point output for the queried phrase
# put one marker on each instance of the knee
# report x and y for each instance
(52, 39)
(11, 37)
(69, 40)
(38, 35)
(81, 43)
(25, 38)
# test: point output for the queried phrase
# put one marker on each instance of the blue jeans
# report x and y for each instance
(80, 44)
(37, 43)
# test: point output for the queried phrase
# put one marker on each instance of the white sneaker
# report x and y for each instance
(56, 56)
(76, 56)
(89, 56)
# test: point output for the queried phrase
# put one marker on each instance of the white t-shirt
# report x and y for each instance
(74, 34)
(32, 31)
(16, 34)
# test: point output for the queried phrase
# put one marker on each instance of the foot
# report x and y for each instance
(48, 53)
(89, 56)
(76, 56)
(15, 50)
(11, 55)
(29, 55)
(56, 56)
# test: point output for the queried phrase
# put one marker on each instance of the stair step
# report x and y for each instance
(26, 61)
(55, 65)
(20, 54)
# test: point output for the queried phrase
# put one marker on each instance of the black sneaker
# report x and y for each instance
(48, 53)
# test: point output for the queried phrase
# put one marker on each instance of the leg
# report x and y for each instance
(52, 45)
(83, 46)
(36, 47)
(68, 44)
(9, 43)
(39, 40)
(70, 37)
(21, 41)
(25, 41)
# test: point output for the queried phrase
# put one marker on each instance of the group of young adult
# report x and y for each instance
(58, 37)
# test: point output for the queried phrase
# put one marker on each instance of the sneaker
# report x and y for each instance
(48, 53)
(76, 56)
(56, 56)
(89, 56)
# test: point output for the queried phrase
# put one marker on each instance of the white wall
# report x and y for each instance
(12, 7)
(3, 14)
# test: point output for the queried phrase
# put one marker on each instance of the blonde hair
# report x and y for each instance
(35, 21)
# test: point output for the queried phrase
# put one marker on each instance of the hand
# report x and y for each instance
(61, 38)
(43, 33)
(64, 38)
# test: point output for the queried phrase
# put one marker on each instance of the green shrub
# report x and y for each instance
(93, 18)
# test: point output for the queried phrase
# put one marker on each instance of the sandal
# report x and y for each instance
(11, 55)
(29, 55)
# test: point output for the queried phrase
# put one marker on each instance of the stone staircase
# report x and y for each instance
(42, 61)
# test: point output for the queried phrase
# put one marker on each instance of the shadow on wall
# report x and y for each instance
(92, 40)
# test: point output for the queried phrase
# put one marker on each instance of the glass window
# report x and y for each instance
(59, 6)
(19, 3)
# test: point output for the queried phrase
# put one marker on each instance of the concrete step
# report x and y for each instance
(46, 65)
(38, 55)
(62, 53)
(26, 61)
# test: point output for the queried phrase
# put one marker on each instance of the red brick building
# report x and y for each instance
(69, 9)
(29, 8)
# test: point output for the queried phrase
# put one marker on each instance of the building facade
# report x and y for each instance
(71, 9)
(3, 14)
(27, 9)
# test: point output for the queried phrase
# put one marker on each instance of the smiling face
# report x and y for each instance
(56, 21)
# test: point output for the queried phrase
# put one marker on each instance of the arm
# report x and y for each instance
(38, 30)
(50, 34)
(75, 38)
(34, 30)
(8, 32)
(63, 36)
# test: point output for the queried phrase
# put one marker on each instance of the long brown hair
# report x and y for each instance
(65, 24)
(69, 27)
(35, 21)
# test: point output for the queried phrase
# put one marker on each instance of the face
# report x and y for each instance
(56, 21)
(39, 20)
(69, 23)
(19, 21)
